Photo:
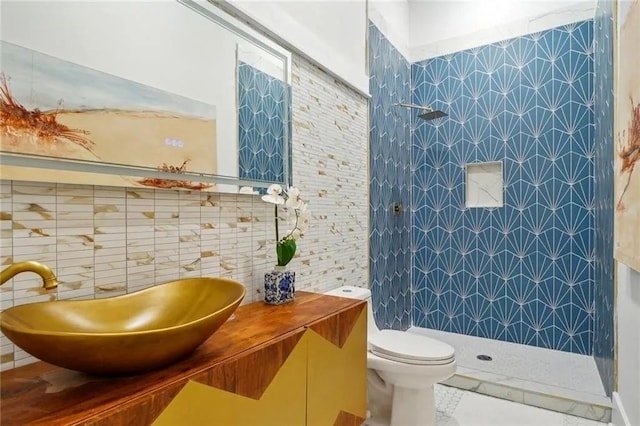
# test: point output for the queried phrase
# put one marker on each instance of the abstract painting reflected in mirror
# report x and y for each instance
(56, 108)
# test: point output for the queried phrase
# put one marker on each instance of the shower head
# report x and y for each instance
(430, 113)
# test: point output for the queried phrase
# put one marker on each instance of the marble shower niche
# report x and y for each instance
(484, 185)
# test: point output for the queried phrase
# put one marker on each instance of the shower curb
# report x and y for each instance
(552, 398)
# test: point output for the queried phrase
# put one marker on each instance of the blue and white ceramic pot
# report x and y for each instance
(279, 286)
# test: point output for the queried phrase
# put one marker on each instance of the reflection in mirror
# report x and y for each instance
(116, 108)
(262, 103)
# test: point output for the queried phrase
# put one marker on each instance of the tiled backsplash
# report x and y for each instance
(105, 241)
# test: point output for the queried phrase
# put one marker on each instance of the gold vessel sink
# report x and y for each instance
(124, 334)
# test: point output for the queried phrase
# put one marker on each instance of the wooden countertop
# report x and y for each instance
(41, 393)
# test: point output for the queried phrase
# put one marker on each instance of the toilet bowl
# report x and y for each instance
(401, 371)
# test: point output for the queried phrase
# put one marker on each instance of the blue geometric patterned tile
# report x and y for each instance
(525, 272)
(261, 132)
(528, 330)
(390, 164)
(524, 102)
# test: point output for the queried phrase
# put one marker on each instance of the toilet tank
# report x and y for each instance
(359, 293)
(351, 292)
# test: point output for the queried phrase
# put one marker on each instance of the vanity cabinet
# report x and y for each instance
(337, 368)
(265, 387)
(294, 364)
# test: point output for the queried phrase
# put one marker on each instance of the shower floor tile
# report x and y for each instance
(546, 378)
(544, 366)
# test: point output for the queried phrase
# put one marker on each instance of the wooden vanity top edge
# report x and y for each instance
(82, 397)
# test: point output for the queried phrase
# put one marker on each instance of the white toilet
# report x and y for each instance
(402, 369)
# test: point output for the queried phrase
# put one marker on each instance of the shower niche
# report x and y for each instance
(484, 185)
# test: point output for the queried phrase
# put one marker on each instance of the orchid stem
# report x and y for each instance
(276, 221)
(294, 226)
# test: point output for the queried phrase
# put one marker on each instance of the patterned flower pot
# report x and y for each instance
(279, 286)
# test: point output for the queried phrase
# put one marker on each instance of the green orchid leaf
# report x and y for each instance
(285, 250)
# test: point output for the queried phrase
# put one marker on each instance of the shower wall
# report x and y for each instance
(523, 272)
(389, 176)
(603, 333)
(260, 124)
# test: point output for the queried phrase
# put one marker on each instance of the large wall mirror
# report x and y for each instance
(172, 94)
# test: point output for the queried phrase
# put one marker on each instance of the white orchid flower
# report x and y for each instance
(274, 189)
(274, 199)
(295, 210)
(293, 198)
(273, 195)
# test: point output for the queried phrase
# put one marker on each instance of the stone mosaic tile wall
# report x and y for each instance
(106, 241)
(330, 169)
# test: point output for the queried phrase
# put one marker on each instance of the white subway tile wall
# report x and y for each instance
(108, 241)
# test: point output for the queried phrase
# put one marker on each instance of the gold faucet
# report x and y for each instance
(49, 279)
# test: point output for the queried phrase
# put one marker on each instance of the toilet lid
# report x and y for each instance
(411, 348)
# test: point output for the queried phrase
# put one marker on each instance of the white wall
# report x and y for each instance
(392, 18)
(441, 27)
(331, 33)
(628, 338)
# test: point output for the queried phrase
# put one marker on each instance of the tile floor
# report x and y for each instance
(555, 380)
(456, 407)
(522, 362)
